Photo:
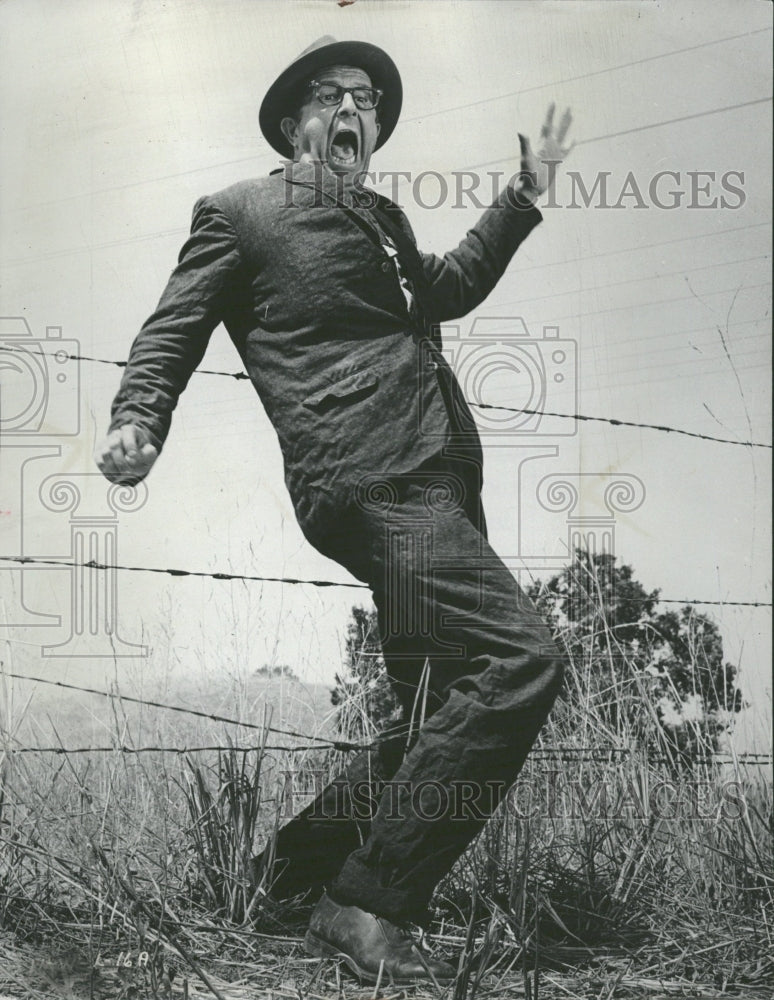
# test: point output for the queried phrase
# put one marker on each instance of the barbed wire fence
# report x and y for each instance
(305, 742)
(290, 581)
(577, 417)
(315, 741)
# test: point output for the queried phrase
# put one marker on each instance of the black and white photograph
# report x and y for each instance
(385, 504)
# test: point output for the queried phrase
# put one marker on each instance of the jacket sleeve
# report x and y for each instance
(172, 341)
(462, 278)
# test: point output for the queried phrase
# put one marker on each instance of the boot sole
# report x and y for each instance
(323, 949)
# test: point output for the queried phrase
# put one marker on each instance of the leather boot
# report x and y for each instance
(367, 943)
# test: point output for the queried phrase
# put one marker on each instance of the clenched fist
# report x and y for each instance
(125, 455)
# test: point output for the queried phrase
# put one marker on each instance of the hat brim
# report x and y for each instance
(285, 94)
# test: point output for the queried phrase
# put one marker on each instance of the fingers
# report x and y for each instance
(107, 466)
(123, 456)
(546, 131)
(548, 124)
(129, 442)
(115, 450)
(528, 159)
(564, 124)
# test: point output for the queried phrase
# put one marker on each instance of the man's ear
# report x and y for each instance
(289, 128)
(378, 128)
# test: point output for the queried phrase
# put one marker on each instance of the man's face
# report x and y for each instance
(342, 136)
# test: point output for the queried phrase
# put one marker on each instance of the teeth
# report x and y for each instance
(344, 148)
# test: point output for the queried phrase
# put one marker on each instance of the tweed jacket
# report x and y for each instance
(352, 379)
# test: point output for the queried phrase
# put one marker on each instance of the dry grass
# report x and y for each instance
(107, 857)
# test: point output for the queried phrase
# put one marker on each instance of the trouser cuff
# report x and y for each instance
(357, 885)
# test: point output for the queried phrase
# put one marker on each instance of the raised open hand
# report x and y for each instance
(538, 170)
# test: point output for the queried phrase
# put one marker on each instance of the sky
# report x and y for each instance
(117, 117)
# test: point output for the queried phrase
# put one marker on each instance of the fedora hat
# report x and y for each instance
(285, 94)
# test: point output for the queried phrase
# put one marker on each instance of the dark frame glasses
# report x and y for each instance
(330, 95)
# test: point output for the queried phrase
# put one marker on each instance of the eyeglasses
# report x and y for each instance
(331, 95)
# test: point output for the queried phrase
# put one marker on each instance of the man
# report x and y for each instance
(334, 311)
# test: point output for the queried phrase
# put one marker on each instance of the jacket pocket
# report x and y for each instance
(347, 389)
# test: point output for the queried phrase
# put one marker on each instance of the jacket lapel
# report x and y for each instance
(315, 185)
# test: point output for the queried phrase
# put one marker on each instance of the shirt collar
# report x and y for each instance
(315, 184)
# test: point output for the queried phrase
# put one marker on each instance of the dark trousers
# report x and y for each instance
(470, 661)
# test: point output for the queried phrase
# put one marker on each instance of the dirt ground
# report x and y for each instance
(284, 972)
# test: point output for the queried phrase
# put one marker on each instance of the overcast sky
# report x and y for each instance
(117, 117)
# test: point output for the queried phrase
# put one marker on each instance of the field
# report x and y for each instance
(613, 871)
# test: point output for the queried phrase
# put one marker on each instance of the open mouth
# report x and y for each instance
(344, 148)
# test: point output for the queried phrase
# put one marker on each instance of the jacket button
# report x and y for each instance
(386, 266)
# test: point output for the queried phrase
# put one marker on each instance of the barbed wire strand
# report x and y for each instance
(585, 753)
(578, 417)
(93, 564)
(322, 743)
(570, 753)
(120, 748)
(320, 740)
(592, 753)
(615, 422)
